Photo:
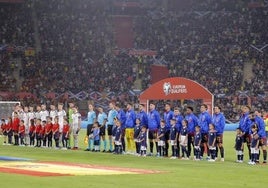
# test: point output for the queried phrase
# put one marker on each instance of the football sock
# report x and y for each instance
(202, 150)
(90, 143)
(222, 152)
(189, 146)
(173, 151)
(252, 158)
(104, 144)
(16, 139)
(258, 156)
(123, 144)
(264, 155)
(151, 147)
(166, 149)
(111, 144)
(75, 141)
(160, 150)
(178, 150)
(198, 153)
(249, 153)
(137, 147)
(213, 153)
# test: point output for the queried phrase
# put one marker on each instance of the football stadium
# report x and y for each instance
(133, 93)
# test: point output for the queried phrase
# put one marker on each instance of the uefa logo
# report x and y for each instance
(167, 88)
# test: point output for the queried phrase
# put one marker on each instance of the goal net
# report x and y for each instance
(6, 108)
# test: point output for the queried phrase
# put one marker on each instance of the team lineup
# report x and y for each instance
(187, 136)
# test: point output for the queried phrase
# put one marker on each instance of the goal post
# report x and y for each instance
(6, 108)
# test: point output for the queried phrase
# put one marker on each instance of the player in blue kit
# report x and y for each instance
(256, 118)
(143, 141)
(177, 115)
(161, 139)
(239, 145)
(244, 125)
(218, 120)
(173, 138)
(212, 142)
(204, 121)
(254, 146)
(184, 140)
(153, 125)
(142, 115)
(192, 122)
(197, 143)
(137, 130)
(168, 115)
(129, 131)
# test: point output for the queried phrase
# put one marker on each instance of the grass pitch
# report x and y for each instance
(175, 173)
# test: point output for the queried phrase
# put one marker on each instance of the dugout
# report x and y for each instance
(177, 88)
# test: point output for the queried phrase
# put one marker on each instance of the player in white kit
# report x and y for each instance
(53, 112)
(44, 113)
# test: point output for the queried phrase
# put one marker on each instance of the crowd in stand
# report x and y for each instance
(209, 45)
(108, 74)
(74, 31)
(76, 39)
(259, 82)
(16, 25)
(7, 82)
(16, 31)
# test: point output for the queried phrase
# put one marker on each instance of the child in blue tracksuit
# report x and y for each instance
(118, 138)
(137, 130)
(212, 142)
(254, 146)
(96, 137)
(239, 145)
(161, 139)
(143, 141)
(173, 138)
(197, 143)
(184, 139)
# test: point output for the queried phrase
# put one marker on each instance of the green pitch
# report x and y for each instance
(176, 173)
